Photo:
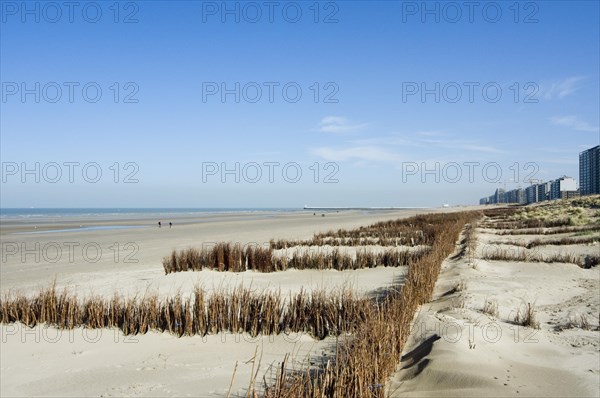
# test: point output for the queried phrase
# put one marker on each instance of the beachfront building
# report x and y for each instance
(543, 191)
(589, 171)
(531, 194)
(521, 198)
(497, 197)
(516, 196)
(563, 188)
(501, 196)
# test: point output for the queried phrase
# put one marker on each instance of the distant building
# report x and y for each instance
(543, 191)
(531, 194)
(589, 171)
(521, 198)
(499, 196)
(563, 188)
(516, 196)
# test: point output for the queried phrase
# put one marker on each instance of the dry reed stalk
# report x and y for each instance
(241, 310)
(364, 362)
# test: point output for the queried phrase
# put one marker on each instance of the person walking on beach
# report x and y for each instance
(159, 224)
(170, 224)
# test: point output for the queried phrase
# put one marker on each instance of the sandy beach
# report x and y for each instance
(31, 257)
(50, 362)
(456, 348)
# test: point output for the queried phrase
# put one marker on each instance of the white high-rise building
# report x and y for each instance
(563, 188)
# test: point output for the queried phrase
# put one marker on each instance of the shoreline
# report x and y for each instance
(148, 367)
(148, 363)
(456, 347)
(9, 225)
(34, 259)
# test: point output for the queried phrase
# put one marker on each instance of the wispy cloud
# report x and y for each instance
(564, 150)
(563, 161)
(357, 153)
(339, 125)
(463, 145)
(387, 141)
(573, 122)
(479, 148)
(435, 133)
(427, 139)
(394, 148)
(558, 89)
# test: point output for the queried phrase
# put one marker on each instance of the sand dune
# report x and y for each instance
(467, 352)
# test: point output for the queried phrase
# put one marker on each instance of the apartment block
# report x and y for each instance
(589, 171)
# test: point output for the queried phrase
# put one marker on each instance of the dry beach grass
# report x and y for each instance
(231, 257)
(371, 331)
(241, 310)
(364, 361)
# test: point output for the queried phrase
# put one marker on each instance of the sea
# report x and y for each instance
(27, 213)
(77, 220)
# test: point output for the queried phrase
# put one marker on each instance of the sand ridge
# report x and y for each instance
(468, 352)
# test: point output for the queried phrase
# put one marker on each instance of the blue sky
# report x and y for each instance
(366, 127)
